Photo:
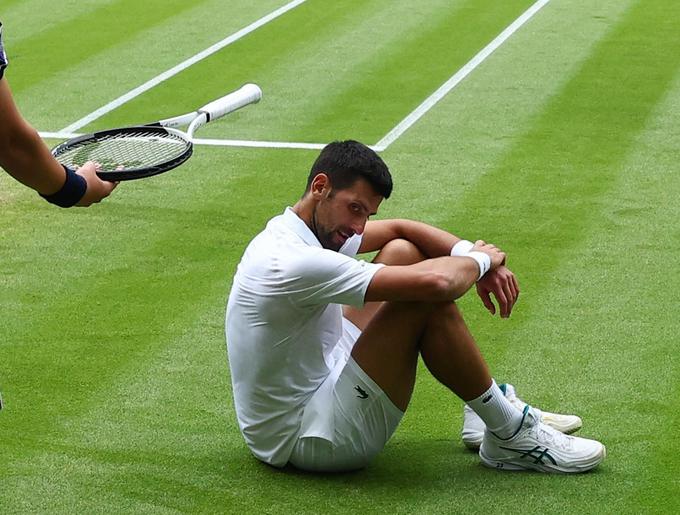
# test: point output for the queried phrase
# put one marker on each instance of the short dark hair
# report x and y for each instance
(346, 161)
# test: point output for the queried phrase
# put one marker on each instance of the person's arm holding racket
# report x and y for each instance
(25, 157)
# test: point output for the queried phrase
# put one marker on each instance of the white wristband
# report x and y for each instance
(462, 248)
(483, 260)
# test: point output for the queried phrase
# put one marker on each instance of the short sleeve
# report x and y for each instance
(351, 246)
(3, 56)
(317, 276)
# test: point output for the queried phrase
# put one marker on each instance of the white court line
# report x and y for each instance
(429, 102)
(264, 144)
(180, 67)
(257, 144)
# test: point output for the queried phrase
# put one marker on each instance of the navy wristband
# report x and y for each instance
(71, 192)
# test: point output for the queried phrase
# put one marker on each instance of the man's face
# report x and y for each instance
(340, 214)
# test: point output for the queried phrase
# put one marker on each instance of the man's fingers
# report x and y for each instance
(508, 284)
(110, 186)
(502, 302)
(488, 303)
(89, 166)
(510, 299)
(504, 287)
(97, 189)
(512, 285)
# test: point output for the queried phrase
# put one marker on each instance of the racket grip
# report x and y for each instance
(248, 94)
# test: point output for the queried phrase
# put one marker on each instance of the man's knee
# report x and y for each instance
(399, 252)
(443, 314)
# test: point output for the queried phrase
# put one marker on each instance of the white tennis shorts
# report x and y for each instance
(348, 420)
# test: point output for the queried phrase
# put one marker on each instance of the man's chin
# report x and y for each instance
(332, 241)
(332, 244)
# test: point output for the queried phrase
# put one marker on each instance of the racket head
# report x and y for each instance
(127, 153)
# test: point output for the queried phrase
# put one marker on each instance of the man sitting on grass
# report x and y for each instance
(323, 348)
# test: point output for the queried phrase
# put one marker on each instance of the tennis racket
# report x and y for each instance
(129, 153)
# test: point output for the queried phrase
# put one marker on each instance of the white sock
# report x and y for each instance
(495, 410)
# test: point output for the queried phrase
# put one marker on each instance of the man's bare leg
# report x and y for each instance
(395, 333)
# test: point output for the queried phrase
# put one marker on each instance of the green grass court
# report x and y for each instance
(561, 147)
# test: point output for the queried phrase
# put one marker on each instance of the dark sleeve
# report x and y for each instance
(3, 57)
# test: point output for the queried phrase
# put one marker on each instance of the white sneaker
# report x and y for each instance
(473, 426)
(537, 446)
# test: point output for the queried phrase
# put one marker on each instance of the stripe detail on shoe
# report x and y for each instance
(536, 453)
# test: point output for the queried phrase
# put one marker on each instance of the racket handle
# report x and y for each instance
(248, 94)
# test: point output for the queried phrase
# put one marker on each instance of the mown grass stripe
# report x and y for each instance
(187, 263)
(475, 127)
(9, 4)
(603, 313)
(158, 79)
(551, 196)
(111, 72)
(159, 256)
(547, 192)
(457, 77)
(367, 74)
(248, 60)
(68, 52)
(399, 74)
(24, 19)
(556, 173)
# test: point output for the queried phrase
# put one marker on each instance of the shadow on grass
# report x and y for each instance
(428, 475)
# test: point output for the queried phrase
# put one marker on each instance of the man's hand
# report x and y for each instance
(497, 255)
(503, 284)
(97, 189)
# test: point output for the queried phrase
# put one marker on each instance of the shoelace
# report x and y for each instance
(552, 438)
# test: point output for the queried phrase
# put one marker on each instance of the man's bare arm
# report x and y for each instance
(438, 279)
(22, 153)
(26, 157)
(433, 280)
(434, 242)
(431, 241)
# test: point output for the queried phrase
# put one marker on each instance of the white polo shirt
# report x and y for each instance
(284, 318)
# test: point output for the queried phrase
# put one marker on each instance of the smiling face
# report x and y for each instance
(340, 214)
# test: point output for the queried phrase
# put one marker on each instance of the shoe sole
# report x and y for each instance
(548, 468)
(473, 445)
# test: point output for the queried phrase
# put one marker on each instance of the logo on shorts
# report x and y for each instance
(362, 392)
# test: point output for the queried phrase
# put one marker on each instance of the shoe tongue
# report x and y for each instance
(503, 387)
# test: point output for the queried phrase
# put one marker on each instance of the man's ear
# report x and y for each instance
(321, 186)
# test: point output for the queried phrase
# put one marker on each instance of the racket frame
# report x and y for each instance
(132, 173)
(247, 94)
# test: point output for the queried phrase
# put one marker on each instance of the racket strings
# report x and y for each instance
(125, 151)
